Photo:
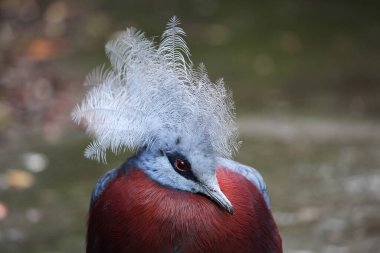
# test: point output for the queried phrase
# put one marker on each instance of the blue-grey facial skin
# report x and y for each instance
(158, 166)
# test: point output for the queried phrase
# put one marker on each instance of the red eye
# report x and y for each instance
(180, 165)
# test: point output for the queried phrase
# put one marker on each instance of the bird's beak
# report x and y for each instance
(218, 196)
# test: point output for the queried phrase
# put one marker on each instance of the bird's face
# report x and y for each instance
(191, 169)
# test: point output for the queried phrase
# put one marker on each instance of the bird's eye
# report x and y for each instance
(180, 165)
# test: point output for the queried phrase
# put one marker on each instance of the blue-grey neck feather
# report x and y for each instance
(249, 173)
(104, 180)
(102, 183)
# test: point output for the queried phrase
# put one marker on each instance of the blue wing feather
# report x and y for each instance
(248, 172)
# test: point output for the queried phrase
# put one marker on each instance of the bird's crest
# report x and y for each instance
(152, 96)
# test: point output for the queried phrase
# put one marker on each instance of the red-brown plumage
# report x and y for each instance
(136, 214)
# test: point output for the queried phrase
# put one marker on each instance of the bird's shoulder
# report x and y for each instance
(110, 175)
(102, 184)
(249, 173)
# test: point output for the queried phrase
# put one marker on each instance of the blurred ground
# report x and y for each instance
(306, 81)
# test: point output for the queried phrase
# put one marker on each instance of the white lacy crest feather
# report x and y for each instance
(151, 96)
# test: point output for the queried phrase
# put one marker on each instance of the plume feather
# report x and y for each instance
(152, 95)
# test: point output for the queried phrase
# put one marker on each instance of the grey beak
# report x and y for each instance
(218, 196)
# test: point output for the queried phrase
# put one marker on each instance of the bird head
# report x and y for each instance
(152, 100)
(186, 166)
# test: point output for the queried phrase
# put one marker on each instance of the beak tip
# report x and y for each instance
(218, 197)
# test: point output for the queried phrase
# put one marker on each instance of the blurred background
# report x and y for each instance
(306, 82)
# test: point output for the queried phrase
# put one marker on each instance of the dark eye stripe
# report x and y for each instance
(181, 165)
